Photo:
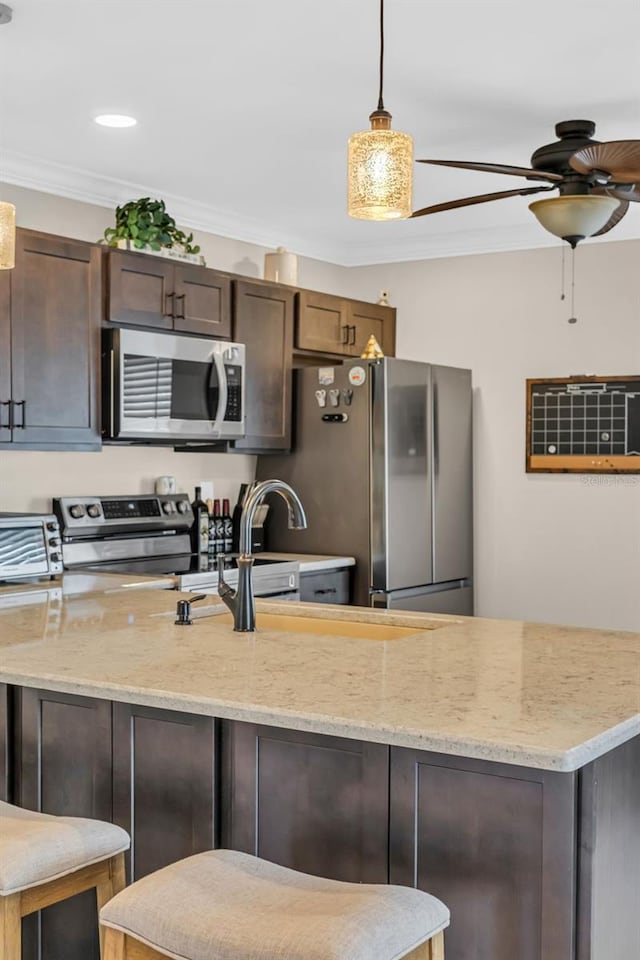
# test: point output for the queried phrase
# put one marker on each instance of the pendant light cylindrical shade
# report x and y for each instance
(7, 236)
(574, 217)
(380, 174)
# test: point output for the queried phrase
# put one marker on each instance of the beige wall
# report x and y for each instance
(549, 548)
(558, 548)
(28, 479)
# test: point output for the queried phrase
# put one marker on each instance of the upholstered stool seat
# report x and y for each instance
(225, 905)
(45, 859)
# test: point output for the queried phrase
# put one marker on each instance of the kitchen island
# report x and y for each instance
(494, 763)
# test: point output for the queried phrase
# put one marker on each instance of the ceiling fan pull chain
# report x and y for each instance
(562, 293)
(573, 318)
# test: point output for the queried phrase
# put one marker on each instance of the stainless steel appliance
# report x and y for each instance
(149, 534)
(29, 547)
(168, 387)
(382, 462)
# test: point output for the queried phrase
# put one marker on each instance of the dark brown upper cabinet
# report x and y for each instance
(149, 291)
(263, 320)
(49, 344)
(330, 326)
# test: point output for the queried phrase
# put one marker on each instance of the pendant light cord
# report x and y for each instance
(380, 100)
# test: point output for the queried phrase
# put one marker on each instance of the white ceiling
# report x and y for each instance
(245, 107)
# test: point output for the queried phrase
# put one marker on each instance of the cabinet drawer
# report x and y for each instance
(329, 586)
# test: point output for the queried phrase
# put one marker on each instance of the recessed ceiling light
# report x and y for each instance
(115, 120)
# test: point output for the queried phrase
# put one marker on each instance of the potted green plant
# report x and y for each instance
(145, 225)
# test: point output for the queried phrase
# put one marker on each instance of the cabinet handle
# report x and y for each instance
(181, 297)
(168, 312)
(352, 343)
(325, 593)
(7, 425)
(23, 404)
(345, 335)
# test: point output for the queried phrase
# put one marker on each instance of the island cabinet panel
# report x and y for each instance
(263, 320)
(313, 803)
(163, 768)
(64, 769)
(609, 856)
(6, 744)
(55, 326)
(497, 844)
(5, 355)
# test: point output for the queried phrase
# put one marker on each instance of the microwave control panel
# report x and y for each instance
(234, 392)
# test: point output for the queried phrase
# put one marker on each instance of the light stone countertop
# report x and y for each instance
(530, 694)
(312, 563)
(72, 583)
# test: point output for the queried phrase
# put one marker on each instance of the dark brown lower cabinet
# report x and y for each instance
(497, 844)
(307, 801)
(6, 743)
(163, 784)
(64, 769)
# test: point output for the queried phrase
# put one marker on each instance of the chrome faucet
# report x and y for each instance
(241, 602)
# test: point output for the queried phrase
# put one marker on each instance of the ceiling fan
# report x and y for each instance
(596, 182)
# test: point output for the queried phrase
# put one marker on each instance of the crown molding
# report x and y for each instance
(74, 183)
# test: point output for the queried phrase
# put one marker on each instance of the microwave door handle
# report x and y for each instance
(218, 365)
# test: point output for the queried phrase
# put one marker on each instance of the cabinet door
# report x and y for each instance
(163, 767)
(321, 324)
(64, 769)
(365, 319)
(263, 320)
(140, 290)
(314, 803)
(497, 844)
(202, 302)
(55, 327)
(5, 354)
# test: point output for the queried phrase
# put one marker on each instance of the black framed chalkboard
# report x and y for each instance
(583, 425)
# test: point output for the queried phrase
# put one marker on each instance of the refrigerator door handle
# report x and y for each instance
(436, 425)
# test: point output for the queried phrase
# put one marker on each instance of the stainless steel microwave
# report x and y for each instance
(169, 387)
(29, 546)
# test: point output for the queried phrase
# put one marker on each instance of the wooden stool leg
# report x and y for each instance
(114, 947)
(114, 881)
(10, 928)
(436, 947)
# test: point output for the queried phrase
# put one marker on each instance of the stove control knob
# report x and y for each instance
(77, 511)
(183, 506)
(167, 506)
(52, 526)
(55, 557)
(93, 510)
(53, 542)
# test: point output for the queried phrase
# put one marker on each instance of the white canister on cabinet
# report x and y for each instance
(281, 267)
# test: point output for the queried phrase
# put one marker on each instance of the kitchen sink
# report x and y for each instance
(353, 629)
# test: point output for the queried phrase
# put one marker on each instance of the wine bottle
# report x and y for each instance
(227, 523)
(200, 528)
(219, 528)
(212, 530)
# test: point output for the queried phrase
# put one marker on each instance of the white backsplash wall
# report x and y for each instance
(28, 479)
(562, 548)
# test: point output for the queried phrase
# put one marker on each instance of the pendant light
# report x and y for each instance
(7, 210)
(380, 172)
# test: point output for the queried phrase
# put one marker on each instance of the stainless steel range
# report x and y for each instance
(149, 535)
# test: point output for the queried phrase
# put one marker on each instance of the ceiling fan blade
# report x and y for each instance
(620, 158)
(481, 198)
(528, 172)
(631, 195)
(614, 219)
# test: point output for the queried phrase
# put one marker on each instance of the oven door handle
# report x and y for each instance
(221, 373)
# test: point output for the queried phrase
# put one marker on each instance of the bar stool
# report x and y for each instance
(225, 905)
(45, 859)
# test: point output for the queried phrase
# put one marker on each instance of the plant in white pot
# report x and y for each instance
(144, 225)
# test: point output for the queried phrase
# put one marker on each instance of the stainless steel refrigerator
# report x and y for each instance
(382, 462)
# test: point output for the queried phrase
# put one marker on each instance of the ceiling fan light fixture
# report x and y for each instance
(7, 236)
(380, 171)
(572, 218)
